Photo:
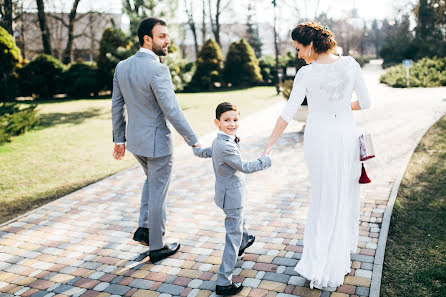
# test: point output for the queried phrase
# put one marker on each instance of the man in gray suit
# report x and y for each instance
(144, 86)
(230, 191)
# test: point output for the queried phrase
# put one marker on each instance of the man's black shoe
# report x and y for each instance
(251, 239)
(142, 235)
(232, 289)
(166, 251)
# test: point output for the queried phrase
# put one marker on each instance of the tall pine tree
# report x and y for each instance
(209, 66)
(242, 67)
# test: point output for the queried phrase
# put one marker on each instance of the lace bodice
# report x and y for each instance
(328, 88)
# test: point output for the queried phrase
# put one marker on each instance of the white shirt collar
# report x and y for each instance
(145, 50)
(230, 136)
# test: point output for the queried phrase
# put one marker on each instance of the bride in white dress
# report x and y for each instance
(331, 149)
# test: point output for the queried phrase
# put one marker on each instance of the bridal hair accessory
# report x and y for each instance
(366, 152)
(318, 27)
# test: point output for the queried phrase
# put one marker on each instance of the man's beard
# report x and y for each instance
(158, 50)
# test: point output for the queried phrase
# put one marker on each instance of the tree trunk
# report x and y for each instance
(194, 32)
(91, 26)
(46, 39)
(6, 21)
(71, 19)
(215, 24)
(191, 22)
(203, 23)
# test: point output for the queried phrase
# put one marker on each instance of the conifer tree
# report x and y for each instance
(209, 66)
(242, 66)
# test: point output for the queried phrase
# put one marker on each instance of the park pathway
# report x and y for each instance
(80, 245)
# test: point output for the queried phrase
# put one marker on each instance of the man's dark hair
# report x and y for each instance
(224, 107)
(146, 27)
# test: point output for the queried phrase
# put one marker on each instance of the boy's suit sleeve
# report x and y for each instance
(233, 158)
(202, 152)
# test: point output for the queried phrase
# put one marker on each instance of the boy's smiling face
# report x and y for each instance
(228, 122)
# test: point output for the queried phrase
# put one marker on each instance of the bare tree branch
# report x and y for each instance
(203, 23)
(60, 18)
(215, 18)
(191, 22)
(71, 19)
(81, 16)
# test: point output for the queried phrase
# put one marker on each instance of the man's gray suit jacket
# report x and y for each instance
(145, 87)
(228, 168)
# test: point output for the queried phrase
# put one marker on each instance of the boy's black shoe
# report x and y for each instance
(232, 289)
(166, 251)
(251, 239)
(142, 235)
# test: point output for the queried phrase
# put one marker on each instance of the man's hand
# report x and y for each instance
(197, 145)
(119, 151)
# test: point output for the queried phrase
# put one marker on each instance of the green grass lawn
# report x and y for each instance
(72, 146)
(415, 259)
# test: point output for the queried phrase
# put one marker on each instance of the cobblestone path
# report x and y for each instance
(80, 245)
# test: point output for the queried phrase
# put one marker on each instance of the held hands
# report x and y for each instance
(268, 150)
(119, 151)
(197, 145)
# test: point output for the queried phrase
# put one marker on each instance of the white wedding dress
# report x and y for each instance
(331, 149)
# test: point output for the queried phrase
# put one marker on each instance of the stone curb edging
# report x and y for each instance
(382, 240)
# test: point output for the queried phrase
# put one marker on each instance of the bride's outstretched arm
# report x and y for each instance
(281, 124)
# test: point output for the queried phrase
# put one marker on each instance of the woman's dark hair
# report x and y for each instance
(322, 38)
(224, 107)
(146, 27)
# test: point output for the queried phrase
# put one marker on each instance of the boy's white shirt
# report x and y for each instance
(223, 133)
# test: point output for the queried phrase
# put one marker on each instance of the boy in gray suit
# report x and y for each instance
(230, 191)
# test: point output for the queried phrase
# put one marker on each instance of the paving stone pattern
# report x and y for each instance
(81, 244)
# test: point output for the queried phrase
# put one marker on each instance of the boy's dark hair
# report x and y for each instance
(146, 27)
(224, 107)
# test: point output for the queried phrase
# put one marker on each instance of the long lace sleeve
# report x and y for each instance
(361, 88)
(297, 96)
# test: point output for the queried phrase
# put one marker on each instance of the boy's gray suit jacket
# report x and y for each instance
(229, 168)
(145, 87)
